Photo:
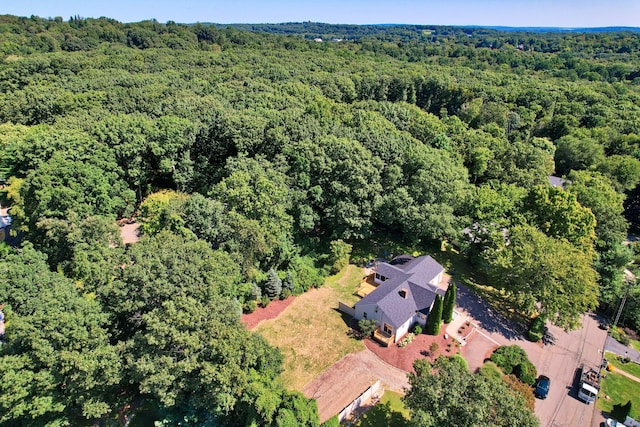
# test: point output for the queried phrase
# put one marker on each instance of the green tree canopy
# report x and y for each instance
(57, 365)
(546, 275)
(445, 392)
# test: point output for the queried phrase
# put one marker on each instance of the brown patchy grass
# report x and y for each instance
(311, 333)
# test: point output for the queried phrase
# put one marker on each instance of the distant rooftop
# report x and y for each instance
(557, 181)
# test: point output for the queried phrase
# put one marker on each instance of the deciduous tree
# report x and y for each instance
(446, 393)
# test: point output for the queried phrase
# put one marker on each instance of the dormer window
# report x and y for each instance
(403, 293)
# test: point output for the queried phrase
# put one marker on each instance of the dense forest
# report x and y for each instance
(252, 161)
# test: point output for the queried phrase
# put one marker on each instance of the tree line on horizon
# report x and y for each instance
(253, 161)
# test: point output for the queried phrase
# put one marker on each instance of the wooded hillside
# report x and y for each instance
(245, 155)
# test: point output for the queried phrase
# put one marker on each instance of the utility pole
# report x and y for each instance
(629, 282)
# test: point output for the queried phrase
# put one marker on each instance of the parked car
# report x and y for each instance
(613, 423)
(542, 387)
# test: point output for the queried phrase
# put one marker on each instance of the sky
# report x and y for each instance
(537, 13)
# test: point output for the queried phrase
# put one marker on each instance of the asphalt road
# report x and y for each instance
(558, 358)
(622, 350)
(561, 361)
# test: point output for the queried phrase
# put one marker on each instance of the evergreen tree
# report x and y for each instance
(435, 317)
(449, 303)
(273, 286)
(289, 282)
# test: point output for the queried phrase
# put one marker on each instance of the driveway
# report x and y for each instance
(618, 348)
(558, 358)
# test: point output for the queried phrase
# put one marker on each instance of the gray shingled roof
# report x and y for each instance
(557, 181)
(414, 276)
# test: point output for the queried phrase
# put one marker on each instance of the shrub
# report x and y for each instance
(286, 293)
(250, 306)
(522, 389)
(417, 329)
(536, 330)
(508, 357)
(367, 326)
(406, 340)
(306, 275)
(491, 371)
(619, 335)
(526, 372)
(264, 301)
(433, 348)
(460, 360)
(339, 257)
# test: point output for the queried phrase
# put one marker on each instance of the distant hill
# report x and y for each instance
(406, 32)
(558, 29)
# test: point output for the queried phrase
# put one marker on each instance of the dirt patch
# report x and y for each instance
(273, 310)
(403, 358)
(130, 233)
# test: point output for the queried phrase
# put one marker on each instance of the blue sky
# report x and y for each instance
(558, 13)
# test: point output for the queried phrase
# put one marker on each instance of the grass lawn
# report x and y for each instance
(635, 344)
(311, 333)
(620, 389)
(631, 367)
(389, 411)
(345, 283)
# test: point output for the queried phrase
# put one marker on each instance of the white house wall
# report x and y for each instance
(436, 280)
(370, 309)
(402, 330)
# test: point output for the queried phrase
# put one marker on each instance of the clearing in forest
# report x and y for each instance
(311, 333)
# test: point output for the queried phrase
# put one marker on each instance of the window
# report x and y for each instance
(364, 315)
(377, 276)
(403, 293)
(383, 278)
(387, 329)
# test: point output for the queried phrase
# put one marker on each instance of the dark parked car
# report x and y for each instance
(542, 387)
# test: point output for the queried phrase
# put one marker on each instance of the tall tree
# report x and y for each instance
(449, 303)
(596, 192)
(546, 275)
(446, 393)
(57, 365)
(434, 319)
(558, 214)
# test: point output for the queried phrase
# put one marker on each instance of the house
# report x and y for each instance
(556, 181)
(406, 290)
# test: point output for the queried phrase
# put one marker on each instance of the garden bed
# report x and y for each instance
(403, 358)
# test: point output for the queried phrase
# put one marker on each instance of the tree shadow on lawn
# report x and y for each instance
(381, 415)
(485, 315)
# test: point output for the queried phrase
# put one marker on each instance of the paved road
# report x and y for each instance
(621, 349)
(558, 358)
